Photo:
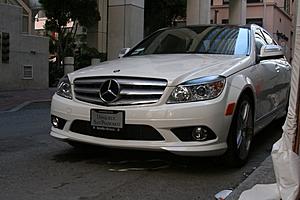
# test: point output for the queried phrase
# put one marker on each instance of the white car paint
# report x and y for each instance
(175, 68)
(241, 72)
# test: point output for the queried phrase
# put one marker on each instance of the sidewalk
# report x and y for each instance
(15, 99)
(264, 174)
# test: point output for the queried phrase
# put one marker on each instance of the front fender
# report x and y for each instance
(238, 84)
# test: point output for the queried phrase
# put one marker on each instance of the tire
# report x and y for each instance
(240, 134)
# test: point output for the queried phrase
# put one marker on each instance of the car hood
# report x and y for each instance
(175, 68)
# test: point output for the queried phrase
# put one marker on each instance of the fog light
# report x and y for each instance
(58, 122)
(199, 134)
(55, 121)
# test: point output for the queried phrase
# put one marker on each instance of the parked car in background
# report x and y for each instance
(195, 91)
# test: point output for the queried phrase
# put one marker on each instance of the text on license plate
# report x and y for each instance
(107, 119)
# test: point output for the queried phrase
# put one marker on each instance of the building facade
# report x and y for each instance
(23, 56)
(122, 23)
(276, 16)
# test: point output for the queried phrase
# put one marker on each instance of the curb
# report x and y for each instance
(22, 105)
(264, 174)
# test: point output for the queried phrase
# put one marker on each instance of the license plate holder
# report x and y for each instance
(107, 120)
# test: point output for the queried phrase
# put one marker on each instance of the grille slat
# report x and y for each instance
(145, 82)
(87, 90)
(88, 81)
(133, 90)
(88, 99)
(129, 102)
(141, 92)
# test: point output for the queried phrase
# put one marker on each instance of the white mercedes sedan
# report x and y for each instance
(195, 91)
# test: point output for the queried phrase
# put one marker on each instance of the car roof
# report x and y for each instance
(221, 25)
(248, 26)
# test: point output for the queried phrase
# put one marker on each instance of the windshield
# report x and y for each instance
(200, 40)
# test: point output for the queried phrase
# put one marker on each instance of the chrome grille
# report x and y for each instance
(133, 91)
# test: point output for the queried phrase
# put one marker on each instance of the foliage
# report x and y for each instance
(61, 13)
(84, 56)
(55, 73)
(162, 13)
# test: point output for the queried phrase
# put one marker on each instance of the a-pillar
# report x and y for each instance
(125, 25)
(198, 12)
(237, 12)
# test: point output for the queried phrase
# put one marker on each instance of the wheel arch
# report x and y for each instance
(249, 92)
(243, 89)
(242, 85)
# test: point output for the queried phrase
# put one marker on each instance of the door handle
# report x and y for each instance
(277, 69)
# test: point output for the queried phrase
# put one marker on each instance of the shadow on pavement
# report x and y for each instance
(119, 160)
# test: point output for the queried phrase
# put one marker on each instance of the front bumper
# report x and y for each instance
(162, 117)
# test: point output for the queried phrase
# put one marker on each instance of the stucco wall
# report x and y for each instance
(283, 25)
(125, 25)
(24, 50)
(97, 35)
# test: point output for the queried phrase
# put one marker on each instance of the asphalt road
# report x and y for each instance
(35, 166)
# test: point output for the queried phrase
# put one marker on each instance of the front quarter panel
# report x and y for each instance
(239, 83)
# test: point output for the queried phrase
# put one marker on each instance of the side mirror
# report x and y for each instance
(270, 51)
(123, 52)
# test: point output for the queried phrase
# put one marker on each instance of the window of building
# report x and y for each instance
(225, 21)
(25, 24)
(257, 21)
(159, 14)
(287, 6)
(248, 1)
(25, 21)
(254, 1)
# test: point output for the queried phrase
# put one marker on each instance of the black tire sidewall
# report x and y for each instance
(232, 154)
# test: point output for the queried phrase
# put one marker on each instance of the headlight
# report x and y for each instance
(200, 89)
(64, 88)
